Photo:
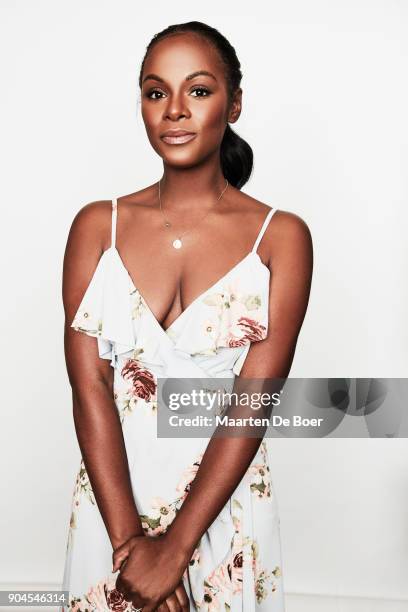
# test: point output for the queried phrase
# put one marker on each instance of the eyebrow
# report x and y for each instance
(189, 77)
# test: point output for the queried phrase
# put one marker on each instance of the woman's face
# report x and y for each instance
(185, 113)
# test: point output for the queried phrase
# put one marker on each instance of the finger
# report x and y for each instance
(122, 565)
(119, 556)
(138, 605)
(182, 597)
(173, 603)
(163, 607)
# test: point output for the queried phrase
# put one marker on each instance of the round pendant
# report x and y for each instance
(177, 243)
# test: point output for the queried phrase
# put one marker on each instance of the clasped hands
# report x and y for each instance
(151, 571)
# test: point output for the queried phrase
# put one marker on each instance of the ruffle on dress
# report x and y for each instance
(108, 312)
(226, 317)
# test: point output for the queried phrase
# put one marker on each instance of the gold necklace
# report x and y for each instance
(177, 243)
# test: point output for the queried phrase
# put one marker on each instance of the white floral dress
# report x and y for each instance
(236, 566)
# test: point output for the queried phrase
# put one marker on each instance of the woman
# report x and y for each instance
(179, 279)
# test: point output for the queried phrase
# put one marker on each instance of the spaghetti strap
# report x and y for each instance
(114, 217)
(263, 228)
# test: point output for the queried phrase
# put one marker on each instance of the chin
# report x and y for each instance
(180, 156)
(178, 161)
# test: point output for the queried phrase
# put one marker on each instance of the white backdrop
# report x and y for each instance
(325, 99)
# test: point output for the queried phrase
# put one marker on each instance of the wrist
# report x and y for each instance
(181, 544)
(119, 539)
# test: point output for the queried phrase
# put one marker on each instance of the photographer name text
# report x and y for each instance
(225, 421)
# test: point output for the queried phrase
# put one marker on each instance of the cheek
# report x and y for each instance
(210, 116)
(152, 120)
(151, 117)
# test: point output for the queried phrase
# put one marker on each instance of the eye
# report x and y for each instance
(154, 91)
(204, 91)
(157, 94)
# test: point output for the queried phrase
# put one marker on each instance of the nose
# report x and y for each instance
(176, 108)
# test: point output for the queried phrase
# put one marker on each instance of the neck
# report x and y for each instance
(198, 187)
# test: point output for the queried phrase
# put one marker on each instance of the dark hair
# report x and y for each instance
(236, 154)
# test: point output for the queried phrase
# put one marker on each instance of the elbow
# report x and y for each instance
(87, 379)
(88, 390)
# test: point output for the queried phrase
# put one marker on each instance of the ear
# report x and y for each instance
(236, 106)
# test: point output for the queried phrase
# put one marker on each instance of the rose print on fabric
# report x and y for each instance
(215, 590)
(183, 487)
(143, 385)
(260, 475)
(163, 513)
(137, 304)
(235, 571)
(214, 299)
(265, 584)
(210, 328)
(250, 331)
(82, 488)
(161, 516)
(125, 402)
(227, 579)
(260, 481)
(235, 564)
(143, 381)
(187, 477)
(102, 597)
(253, 302)
(195, 559)
(238, 314)
(83, 485)
(85, 321)
(262, 580)
(232, 300)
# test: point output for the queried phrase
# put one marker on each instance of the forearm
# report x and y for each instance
(100, 438)
(222, 468)
(224, 464)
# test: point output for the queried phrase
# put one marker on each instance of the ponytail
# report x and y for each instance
(236, 158)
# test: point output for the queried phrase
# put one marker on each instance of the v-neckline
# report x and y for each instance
(196, 299)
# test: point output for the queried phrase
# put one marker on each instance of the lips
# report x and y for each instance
(175, 137)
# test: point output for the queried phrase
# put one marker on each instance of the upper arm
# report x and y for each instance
(291, 266)
(87, 239)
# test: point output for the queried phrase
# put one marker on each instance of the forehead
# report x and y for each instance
(180, 54)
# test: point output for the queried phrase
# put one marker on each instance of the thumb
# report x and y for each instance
(120, 555)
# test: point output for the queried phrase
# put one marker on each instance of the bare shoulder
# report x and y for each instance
(289, 241)
(288, 226)
(286, 232)
(290, 247)
(89, 236)
(92, 223)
